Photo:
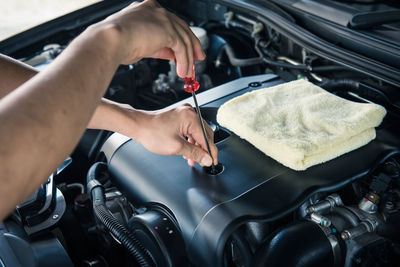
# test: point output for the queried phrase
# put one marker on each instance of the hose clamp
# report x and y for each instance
(91, 185)
(330, 233)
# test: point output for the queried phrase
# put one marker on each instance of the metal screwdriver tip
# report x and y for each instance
(203, 130)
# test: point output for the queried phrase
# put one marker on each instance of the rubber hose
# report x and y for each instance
(303, 244)
(329, 68)
(340, 84)
(244, 62)
(127, 239)
(239, 62)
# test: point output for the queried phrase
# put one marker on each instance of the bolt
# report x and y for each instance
(321, 220)
(309, 210)
(55, 216)
(345, 235)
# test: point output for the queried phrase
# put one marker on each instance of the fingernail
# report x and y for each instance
(206, 160)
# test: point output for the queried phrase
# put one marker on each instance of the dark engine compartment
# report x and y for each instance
(255, 212)
(251, 188)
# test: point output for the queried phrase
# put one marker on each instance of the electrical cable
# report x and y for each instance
(128, 240)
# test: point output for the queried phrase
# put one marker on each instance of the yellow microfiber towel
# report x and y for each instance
(300, 124)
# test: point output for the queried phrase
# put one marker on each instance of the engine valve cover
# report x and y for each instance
(250, 187)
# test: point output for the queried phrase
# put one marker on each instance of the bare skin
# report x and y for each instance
(43, 118)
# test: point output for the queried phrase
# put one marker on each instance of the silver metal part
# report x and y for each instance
(336, 199)
(321, 220)
(53, 218)
(228, 17)
(354, 232)
(319, 207)
(367, 226)
(336, 250)
(328, 204)
(113, 194)
(203, 130)
(92, 184)
(367, 206)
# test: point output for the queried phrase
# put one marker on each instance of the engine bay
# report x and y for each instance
(254, 211)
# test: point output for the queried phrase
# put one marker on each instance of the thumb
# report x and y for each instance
(196, 153)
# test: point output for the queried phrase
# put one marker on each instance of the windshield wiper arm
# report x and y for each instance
(367, 20)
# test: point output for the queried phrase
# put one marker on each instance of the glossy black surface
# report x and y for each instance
(252, 186)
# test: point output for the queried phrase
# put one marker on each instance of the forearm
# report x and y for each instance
(13, 74)
(107, 116)
(119, 118)
(45, 115)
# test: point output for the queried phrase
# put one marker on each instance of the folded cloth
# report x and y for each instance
(300, 124)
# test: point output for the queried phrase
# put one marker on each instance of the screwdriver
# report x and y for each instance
(191, 86)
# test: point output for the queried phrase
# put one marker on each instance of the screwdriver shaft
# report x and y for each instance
(203, 129)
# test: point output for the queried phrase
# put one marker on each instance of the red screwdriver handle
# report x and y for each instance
(191, 85)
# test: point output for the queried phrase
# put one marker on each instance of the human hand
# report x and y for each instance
(175, 131)
(148, 30)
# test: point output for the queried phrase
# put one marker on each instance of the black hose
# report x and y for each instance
(303, 244)
(342, 84)
(278, 64)
(244, 62)
(239, 62)
(127, 239)
(329, 68)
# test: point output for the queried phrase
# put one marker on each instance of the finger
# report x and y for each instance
(188, 45)
(165, 53)
(187, 105)
(191, 140)
(151, 3)
(196, 133)
(191, 162)
(214, 153)
(181, 57)
(197, 49)
(196, 154)
(178, 47)
(199, 137)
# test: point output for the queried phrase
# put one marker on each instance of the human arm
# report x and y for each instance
(124, 119)
(43, 119)
(161, 131)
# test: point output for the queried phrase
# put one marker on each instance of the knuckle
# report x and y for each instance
(163, 11)
(195, 154)
(171, 40)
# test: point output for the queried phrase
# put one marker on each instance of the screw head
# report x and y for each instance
(345, 235)
(55, 216)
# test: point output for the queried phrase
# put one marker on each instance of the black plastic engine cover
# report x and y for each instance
(252, 186)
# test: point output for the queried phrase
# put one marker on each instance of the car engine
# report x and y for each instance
(113, 203)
